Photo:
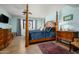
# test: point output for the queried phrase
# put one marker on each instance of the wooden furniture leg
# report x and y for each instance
(70, 47)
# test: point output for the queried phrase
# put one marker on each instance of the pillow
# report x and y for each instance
(41, 28)
(48, 29)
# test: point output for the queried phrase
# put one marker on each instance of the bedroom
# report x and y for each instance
(47, 15)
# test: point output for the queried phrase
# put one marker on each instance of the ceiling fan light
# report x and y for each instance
(30, 13)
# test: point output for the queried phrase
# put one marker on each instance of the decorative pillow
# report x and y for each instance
(48, 29)
(41, 28)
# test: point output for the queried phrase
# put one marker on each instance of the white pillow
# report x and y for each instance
(41, 28)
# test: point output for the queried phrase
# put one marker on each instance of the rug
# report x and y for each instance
(52, 48)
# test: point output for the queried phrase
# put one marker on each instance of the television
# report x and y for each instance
(4, 19)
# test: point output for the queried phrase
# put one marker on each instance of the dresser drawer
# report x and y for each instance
(65, 35)
(1, 42)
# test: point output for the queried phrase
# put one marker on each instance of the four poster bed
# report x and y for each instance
(39, 36)
(49, 33)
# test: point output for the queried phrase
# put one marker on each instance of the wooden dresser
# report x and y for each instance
(67, 36)
(5, 38)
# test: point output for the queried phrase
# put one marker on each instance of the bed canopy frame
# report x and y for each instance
(27, 41)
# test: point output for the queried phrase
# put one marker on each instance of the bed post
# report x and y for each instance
(56, 21)
(56, 24)
(27, 29)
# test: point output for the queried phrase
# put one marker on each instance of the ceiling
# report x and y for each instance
(43, 10)
(73, 5)
(14, 9)
(37, 10)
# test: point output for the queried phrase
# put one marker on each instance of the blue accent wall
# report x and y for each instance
(12, 21)
(2, 11)
(71, 24)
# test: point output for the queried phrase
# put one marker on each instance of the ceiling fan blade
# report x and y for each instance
(30, 13)
(26, 12)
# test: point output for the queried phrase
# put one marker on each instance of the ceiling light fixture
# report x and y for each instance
(25, 11)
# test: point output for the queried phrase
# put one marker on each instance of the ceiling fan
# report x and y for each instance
(26, 10)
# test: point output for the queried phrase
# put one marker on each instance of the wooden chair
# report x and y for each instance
(75, 44)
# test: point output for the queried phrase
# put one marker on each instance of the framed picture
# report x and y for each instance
(68, 17)
(30, 22)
